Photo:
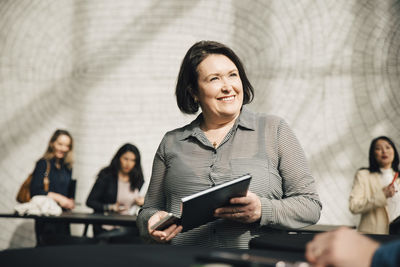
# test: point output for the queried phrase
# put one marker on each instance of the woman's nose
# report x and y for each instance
(226, 86)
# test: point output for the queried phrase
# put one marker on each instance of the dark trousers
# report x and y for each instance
(122, 234)
(51, 233)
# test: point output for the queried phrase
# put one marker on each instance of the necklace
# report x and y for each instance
(216, 134)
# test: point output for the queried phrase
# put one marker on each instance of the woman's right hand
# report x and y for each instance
(167, 234)
(63, 201)
(116, 207)
(139, 201)
(389, 190)
(68, 203)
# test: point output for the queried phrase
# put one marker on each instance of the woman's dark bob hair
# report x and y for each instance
(373, 163)
(187, 85)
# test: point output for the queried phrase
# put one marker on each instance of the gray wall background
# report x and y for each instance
(106, 71)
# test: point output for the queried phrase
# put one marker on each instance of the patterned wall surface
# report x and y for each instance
(106, 71)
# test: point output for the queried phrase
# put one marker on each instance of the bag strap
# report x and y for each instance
(46, 180)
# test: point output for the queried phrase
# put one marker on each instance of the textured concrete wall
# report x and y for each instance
(106, 71)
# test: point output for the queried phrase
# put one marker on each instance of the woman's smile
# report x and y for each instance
(226, 98)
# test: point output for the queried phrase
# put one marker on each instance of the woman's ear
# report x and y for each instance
(193, 94)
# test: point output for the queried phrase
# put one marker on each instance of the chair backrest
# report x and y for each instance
(72, 189)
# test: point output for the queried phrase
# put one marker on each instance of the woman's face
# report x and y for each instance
(61, 146)
(220, 93)
(384, 153)
(127, 162)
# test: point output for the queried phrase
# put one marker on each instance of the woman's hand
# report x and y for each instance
(63, 201)
(389, 190)
(68, 203)
(139, 201)
(167, 234)
(246, 209)
(116, 207)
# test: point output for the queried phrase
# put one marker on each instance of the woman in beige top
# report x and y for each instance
(375, 195)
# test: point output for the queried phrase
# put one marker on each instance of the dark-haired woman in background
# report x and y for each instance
(374, 196)
(59, 157)
(117, 189)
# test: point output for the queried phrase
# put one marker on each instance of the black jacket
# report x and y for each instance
(104, 192)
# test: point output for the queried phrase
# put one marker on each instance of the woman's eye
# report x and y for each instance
(214, 79)
(234, 74)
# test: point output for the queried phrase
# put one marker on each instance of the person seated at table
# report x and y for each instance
(117, 190)
(345, 247)
(373, 195)
(59, 157)
(226, 141)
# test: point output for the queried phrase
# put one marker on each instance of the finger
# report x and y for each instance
(223, 210)
(168, 232)
(309, 255)
(174, 233)
(240, 200)
(158, 236)
(240, 217)
(170, 229)
(229, 210)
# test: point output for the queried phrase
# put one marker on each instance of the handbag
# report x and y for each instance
(24, 192)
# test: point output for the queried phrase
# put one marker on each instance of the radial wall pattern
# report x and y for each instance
(106, 71)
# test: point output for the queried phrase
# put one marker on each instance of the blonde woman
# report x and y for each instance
(59, 158)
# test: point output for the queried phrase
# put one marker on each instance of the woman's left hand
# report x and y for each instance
(139, 201)
(244, 209)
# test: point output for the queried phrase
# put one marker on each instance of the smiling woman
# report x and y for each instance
(59, 156)
(220, 95)
(224, 142)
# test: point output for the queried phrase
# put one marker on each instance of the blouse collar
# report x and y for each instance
(246, 120)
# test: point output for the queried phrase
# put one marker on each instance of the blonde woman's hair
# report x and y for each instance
(49, 154)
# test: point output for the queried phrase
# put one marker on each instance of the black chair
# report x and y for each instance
(60, 240)
(394, 227)
(120, 235)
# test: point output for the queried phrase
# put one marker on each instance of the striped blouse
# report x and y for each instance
(262, 145)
